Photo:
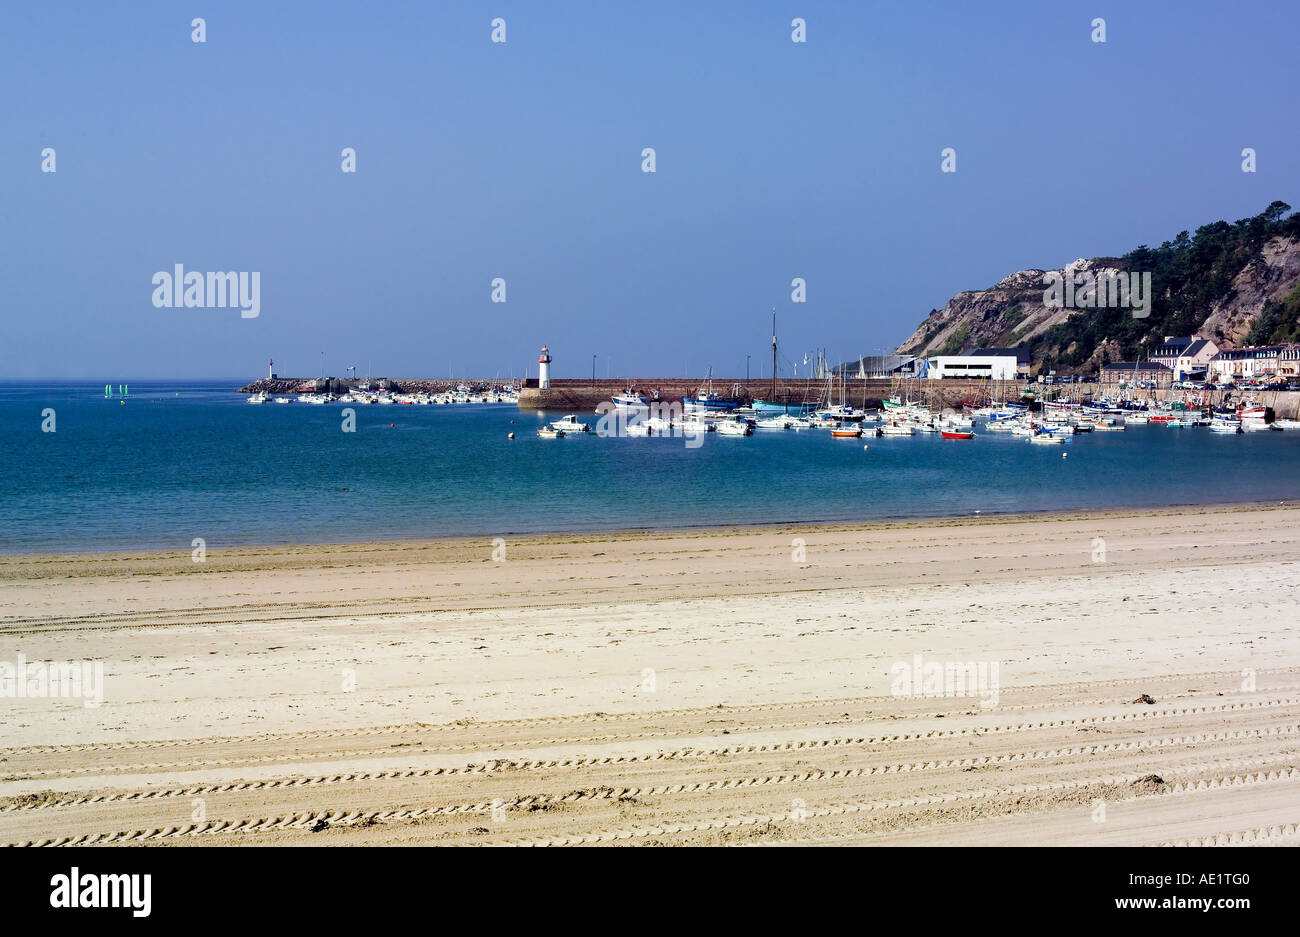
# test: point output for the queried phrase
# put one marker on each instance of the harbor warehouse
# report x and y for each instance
(998, 367)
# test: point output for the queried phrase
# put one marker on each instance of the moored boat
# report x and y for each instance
(734, 427)
(571, 424)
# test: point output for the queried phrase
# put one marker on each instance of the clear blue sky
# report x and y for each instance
(523, 160)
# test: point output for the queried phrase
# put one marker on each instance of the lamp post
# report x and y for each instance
(593, 370)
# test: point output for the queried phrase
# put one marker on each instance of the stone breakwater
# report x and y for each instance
(419, 385)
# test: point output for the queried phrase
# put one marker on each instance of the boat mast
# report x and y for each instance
(773, 355)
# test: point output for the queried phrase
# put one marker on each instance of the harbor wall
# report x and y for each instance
(575, 395)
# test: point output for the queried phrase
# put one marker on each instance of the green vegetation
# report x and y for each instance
(1279, 321)
(1189, 275)
(955, 341)
(1012, 314)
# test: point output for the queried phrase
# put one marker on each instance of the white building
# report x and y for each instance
(990, 367)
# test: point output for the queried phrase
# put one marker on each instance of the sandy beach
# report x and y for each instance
(712, 686)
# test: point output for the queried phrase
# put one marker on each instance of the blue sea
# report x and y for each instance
(177, 461)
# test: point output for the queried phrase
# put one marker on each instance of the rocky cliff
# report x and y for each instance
(1234, 283)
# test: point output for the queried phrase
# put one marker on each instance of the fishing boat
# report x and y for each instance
(846, 430)
(706, 400)
(259, 397)
(773, 422)
(629, 402)
(896, 429)
(1138, 419)
(284, 400)
(1047, 438)
(1287, 424)
(956, 434)
(571, 424)
(1221, 425)
(549, 432)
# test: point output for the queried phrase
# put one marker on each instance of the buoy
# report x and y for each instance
(512, 435)
(1065, 455)
(122, 402)
(391, 425)
(864, 447)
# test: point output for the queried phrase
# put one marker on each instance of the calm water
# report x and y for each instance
(180, 461)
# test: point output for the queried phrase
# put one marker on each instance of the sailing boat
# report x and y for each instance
(772, 405)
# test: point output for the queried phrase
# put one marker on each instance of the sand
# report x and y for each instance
(676, 687)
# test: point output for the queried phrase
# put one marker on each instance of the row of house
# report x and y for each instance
(1191, 358)
(1177, 358)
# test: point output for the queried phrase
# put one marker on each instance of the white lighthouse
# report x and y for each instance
(270, 369)
(544, 369)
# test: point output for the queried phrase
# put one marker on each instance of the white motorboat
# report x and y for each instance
(259, 397)
(547, 432)
(571, 424)
(734, 427)
(284, 400)
(1046, 438)
(1220, 425)
(694, 425)
(774, 422)
(896, 429)
(1287, 424)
